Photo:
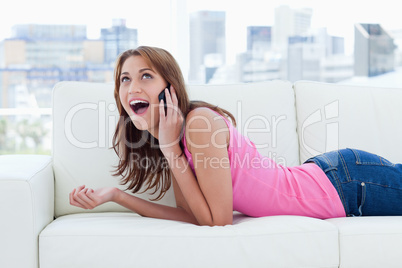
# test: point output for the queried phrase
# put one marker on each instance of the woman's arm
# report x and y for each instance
(208, 194)
(88, 199)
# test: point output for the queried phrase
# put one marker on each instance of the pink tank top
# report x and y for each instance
(263, 188)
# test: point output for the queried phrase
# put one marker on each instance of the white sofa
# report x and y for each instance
(289, 123)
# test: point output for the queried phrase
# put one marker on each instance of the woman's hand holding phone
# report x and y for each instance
(162, 96)
(170, 125)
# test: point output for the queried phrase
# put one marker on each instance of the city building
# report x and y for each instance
(259, 62)
(38, 56)
(336, 45)
(259, 40)
(304, 57)
(207, 44)
(374, 52)
(265, 70)
(289, 22)
(118, 39)
(318, 56)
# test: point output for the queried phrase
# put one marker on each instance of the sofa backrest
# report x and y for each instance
(332, 116)
(264, 112)
(84, 119)
(85, 116)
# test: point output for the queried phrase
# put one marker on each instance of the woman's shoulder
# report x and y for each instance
(204, 124)
(204, 116)
(200, 111)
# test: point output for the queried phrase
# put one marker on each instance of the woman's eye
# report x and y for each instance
(124, 79)
(146, 76)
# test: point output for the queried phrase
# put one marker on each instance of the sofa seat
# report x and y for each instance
(123, 239)
(369, 241)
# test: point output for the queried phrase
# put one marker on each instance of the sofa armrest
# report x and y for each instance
(26, 207)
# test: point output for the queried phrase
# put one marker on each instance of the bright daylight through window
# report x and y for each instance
(221, 42)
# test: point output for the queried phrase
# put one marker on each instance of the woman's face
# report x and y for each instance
(140, 86)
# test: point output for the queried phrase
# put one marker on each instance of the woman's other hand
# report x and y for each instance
(87, 198)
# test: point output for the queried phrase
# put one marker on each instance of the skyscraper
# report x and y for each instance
(259, 63)
(304, 56)
(259, 40)
(317, 56)
(118, 39)
(336, 45)
(207, 44)
(289, 22)
(374, 50)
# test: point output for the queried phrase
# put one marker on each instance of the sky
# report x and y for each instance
(152, 17)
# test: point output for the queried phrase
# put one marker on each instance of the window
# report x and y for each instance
(44, 42)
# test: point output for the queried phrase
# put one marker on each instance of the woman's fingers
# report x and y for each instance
(73, 200)
(162, 114)
(171, 102)
(175, 107)
(79, 198)
(174, 96)
(90, 195)
(86, 201)
(168, 102)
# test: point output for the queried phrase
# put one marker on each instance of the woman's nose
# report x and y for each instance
(134, 89)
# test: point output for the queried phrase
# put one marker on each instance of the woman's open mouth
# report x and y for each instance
(139, 106)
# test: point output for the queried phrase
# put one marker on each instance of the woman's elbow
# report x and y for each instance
(218, 222)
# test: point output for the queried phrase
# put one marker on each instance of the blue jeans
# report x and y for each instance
(367, 184)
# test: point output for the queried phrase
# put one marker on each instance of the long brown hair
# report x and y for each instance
(143, 166)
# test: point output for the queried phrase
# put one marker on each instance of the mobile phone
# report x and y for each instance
(162, 96)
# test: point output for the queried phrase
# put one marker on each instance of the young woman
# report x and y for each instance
(213, 169)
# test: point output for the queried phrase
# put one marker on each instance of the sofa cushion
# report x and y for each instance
(265, 113)
(128, 240)
(369, 241)
(331, 116)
